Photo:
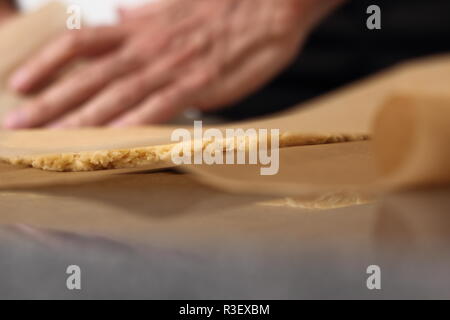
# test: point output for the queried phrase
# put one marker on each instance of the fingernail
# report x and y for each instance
(14, 120)
(19, 80)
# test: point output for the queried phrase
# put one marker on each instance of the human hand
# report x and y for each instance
(163, 58)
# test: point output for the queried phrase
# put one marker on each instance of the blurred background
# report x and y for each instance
(342, 50)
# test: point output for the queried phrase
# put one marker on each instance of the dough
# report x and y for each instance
(151, 155)
(324, 201)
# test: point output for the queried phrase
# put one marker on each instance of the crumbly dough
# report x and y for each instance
(326, 201)
(153, 155)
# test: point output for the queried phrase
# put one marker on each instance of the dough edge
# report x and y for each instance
(154, 155)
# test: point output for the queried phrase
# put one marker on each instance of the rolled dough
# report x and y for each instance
(151, 155)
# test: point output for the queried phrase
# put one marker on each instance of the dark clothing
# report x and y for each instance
(342, 49)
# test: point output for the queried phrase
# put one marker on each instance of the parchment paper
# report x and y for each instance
(406, 109)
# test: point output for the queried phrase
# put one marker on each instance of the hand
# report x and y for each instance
(163, 58)
(7, 10)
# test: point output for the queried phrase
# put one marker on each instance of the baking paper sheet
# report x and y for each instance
(406, 110)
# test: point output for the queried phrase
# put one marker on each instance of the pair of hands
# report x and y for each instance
(162, 58)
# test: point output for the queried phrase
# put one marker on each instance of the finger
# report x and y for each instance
(77, 89)
(129, 91)
(113, 101)
(172, 99)
(154, 10)
(61, 51)
(165, 104)
(242, 37)
(246, 74)
(67, 93)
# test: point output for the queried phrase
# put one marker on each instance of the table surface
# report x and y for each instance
(164, 235)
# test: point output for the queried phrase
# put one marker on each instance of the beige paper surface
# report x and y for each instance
(410, 148)
(168, 209)
(349, 113)
(412, 140)
(305, 170)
